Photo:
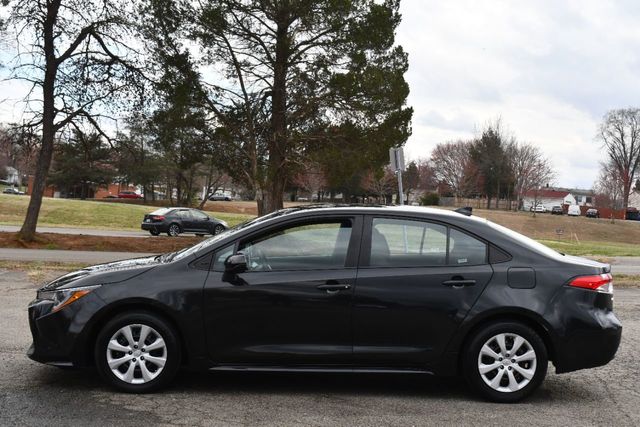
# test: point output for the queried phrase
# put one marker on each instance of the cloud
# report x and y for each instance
(550, 69)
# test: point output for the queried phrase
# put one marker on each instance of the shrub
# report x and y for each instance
(430, 199)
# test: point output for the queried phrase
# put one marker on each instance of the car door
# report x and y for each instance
(186, 220)
(292, 307)
(417, 281)
(200, 222)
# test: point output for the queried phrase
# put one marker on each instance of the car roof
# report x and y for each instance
(368, 209)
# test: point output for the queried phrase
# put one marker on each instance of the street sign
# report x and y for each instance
(396, 159)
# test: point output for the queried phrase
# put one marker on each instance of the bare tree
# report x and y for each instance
(383, 183)
(620, 134)
(451, 163)
(311, 179)
(609, 187)
(74, 56)
(531, 170)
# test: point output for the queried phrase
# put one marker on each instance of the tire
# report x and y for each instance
(154, 232)
(174, 230)
(131, 373)
(218, 229)
(507, 382)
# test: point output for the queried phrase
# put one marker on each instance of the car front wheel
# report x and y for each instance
(505, 362)
(218, 229)
(137, 352)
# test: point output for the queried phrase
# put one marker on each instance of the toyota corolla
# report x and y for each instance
(339, 289)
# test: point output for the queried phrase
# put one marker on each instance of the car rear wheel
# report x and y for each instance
(505, 362)
(154, 232)
(218, 229)
(174, 230)
(137, 352)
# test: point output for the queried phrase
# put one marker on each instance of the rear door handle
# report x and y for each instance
(459, 283)
(334, 287)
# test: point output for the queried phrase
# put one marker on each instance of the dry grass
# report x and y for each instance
(159, 244)
(41, 272)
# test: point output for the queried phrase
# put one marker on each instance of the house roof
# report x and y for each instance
(548, 193)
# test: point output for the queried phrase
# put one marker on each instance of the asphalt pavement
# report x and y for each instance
(35, 394)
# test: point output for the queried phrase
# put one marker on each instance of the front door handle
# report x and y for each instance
(334, 287)
(459, 283)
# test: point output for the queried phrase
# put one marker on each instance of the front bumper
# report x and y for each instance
(61, 338)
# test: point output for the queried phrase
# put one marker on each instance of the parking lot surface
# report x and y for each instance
(34, 394)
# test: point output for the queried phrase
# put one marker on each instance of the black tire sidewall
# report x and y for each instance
(154, 232)
(472, 350)
(218, 229)
(168, 334)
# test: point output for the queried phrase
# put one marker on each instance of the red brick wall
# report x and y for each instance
(48, 191)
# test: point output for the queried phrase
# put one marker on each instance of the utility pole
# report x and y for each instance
(396, 159)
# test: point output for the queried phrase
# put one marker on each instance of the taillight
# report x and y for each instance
(600, 283)
(157, 218)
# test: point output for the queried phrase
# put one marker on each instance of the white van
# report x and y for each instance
(574, 210)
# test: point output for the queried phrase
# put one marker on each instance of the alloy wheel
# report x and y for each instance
(174, 230)
(507, 362)
(136, 354)
(218, 229)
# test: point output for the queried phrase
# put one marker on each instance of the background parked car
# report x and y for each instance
(539, 209)
(557, 210)
(593, 213)
(219, 197)
(574, 210)
(12, 190)
(174, 221)
(129, 195)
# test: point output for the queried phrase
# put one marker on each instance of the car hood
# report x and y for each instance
(112, 272)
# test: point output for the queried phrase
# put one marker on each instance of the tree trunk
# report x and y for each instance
(276, 178)
(28, 230)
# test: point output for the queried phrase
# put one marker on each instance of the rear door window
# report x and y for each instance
(466, 250)
(407, 243)
(414, 243)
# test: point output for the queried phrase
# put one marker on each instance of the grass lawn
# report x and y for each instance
(594, 248)
(87, 214)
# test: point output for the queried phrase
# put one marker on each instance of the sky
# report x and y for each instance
(549, 70)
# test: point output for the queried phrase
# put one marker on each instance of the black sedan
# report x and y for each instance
(174, 221)
(337, 289)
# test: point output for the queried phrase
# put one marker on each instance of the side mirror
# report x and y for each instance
(235, 264)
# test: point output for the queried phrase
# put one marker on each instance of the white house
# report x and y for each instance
(13, 177)
(634, 199)
(548, 197)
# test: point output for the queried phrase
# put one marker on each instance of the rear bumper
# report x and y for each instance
(150, 226)
(591, 344)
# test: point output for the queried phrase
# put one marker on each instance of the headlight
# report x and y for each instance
(63, 297)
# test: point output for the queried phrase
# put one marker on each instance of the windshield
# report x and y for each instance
(212, 240)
